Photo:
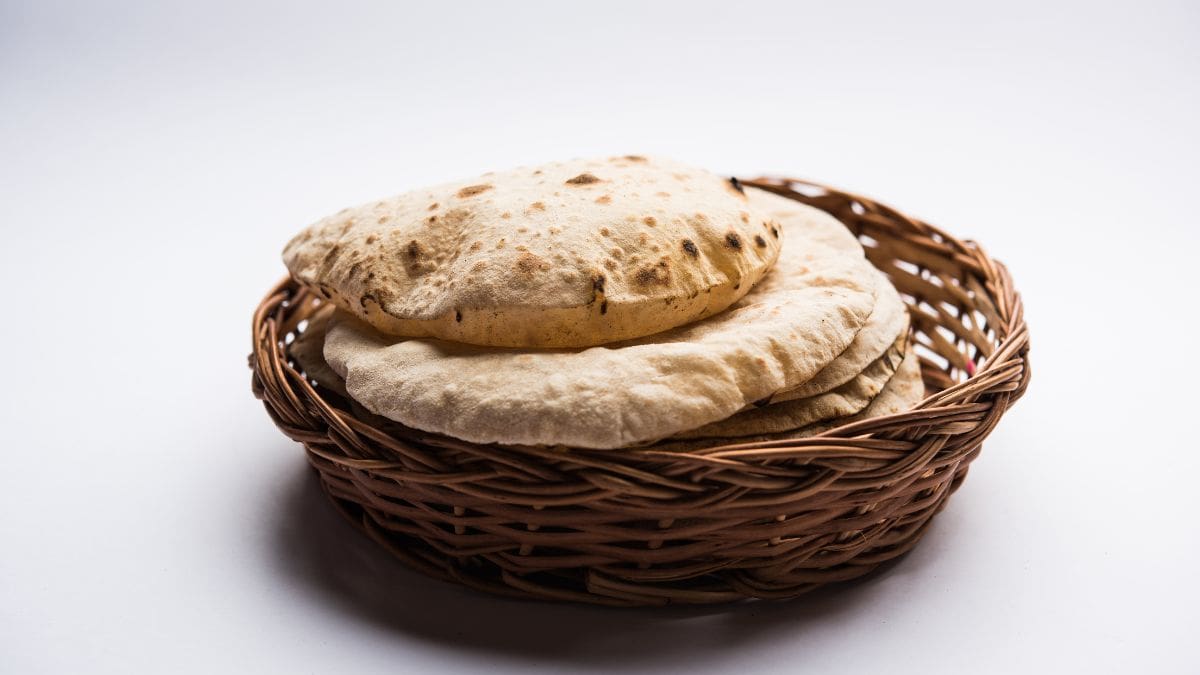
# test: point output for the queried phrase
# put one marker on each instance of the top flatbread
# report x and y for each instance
(569, 254)
(814, 303)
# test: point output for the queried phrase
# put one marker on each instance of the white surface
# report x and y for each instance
(154, 161)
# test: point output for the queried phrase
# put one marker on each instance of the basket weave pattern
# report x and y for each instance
(645, 526)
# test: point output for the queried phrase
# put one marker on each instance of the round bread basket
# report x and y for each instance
(650, 527)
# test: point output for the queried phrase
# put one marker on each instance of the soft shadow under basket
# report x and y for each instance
(648, 527)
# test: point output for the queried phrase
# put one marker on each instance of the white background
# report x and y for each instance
(153, 161)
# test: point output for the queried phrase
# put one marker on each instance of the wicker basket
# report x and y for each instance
(648, 527)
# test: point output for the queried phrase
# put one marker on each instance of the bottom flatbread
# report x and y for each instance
(842, 401)
(307, 350)
(904, 391)
(901, 392)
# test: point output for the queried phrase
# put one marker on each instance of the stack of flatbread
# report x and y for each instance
(602, 304)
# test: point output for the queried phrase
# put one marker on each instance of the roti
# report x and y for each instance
(844, 400)
(902, 393)
(569, 254)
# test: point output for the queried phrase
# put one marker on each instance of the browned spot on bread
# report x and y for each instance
(458, 316)
(762, 402)
(432, 219)
(649, 220)
(635, 158)
(664, 195)
(529, 264)
(331, 254)
(689, 247)
(604, 199)
(699, 218)
(762, 363)
(506, 215)
(760, 241)
(604, 307)
(363, 300)
(371, 239)
(745, 217)
(604, 232)
(736, 186)
(598, 283)
(583, 179)
(479, 267)
(538, 172)
(643, 239)
(347, 225)
(681, 177)
(475, 246)
(775, 231)
(616, 252)
(370, 275)
(433, 206)
(610, 264)
(733, 241)
(413, 250)
(355, 269)
(658, 274)
(536, 206)
(383, 219)
(472, 190)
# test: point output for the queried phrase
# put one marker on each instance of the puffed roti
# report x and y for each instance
(569, 254)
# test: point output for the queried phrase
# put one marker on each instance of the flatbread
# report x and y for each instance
(889, 318)
(570, 254)
(888, 322)
(902, 393)
(307, 351)
(814, 303)
(847, 399)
